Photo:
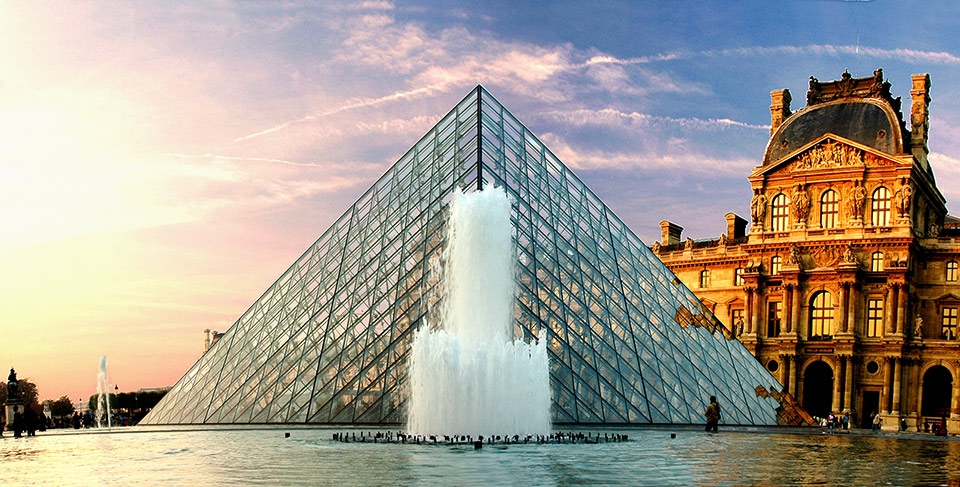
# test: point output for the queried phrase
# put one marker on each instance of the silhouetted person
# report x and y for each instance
(30, 421)
(712, 414)
(17, 422)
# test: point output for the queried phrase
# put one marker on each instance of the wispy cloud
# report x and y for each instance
(910, 56)
(675, 156)
(350, 105)
(614, 117)
(241, 159)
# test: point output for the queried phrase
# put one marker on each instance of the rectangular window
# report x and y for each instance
(738, 277)
(874, 317)
(948, 324)
(829, 209)
(780, 213)
(951, 271)
(881, 207)
(775, 265)
(774, 315)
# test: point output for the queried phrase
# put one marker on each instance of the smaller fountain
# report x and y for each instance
(103, 394)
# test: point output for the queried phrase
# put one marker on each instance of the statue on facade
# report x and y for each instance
(722, 242)
(801, 203)
(918, 328)
(656, 247)
(903, 197)
(858, 195)
(848, 255)
(813, 93)
(876, 89)
(795, 256)
(12, 384)
(758, 207)
(688, 245)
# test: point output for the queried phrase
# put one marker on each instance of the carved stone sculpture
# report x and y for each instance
(903, 197)
(858, 195)
(758, 207)
(801, 204)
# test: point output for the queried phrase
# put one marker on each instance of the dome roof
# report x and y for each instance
(868, 121)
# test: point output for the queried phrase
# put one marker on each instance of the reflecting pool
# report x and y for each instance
(309, 456)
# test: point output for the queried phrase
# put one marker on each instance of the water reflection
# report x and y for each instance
(309, 457)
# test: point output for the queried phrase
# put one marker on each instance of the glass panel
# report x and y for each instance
(329, 341)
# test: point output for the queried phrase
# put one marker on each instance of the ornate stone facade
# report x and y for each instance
(847, 285)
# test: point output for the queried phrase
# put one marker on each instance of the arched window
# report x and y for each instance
(780, 209)
(951, 275)
(829, 209)
(880, 207)
(821, 314)
(776, 263)
(876, 262)
(705, 278)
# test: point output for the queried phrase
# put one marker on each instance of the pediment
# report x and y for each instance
(735, 302)
(948, 298)
(827, 153)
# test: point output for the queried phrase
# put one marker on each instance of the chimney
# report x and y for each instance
(206, 339)
(919, 113)
(670, 233)
(779, 108)
(736, 226)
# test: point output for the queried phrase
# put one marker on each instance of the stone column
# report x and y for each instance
(841, 310)
(788, 309)
(847, 383)
(955, 402)
(887, 386)
(901, 309)
(837, 387)
(792, 385)
(784, 374)
(888, 311)
(795, 312)
(912, 397)
(850, 324)
(750, 299)
(757, 311)
(896, 387)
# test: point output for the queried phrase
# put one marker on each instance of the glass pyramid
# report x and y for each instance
(329, 341)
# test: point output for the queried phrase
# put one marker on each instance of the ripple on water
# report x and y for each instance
(309, 457)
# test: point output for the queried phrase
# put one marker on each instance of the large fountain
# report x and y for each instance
(103, 395)
(469, 376)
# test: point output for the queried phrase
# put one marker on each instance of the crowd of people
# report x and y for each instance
(400, 437)
(837, 422)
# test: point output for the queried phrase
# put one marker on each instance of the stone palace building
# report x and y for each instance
(847, 285)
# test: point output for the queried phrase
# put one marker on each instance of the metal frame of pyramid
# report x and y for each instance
(328, 342)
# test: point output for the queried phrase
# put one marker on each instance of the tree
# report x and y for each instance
(94, 401)
(62, 407)
(28, 393)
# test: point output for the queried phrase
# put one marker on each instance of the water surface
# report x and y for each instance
(309, 456)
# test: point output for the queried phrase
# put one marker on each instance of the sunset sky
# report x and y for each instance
(162, 163)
